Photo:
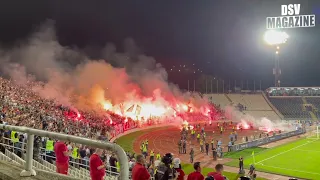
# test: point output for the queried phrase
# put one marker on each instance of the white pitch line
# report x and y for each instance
(285, 151)
(291, 170)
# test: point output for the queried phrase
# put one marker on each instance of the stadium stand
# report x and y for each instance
(296, 102)
(250, 101)
(258, 114)
(219, 99)
(255, 105)
(290, 107)
(315, 105)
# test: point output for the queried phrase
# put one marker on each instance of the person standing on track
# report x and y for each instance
(198, 137)
(147, 144)
(207, 148)
(229, 146)
(191, 155)
(184, 147)
(158, 157)
(201, 146)
(214, 154)
(151, 157)
(145, 151)
(212, 143)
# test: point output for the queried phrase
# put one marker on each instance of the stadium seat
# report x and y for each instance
(290, 107)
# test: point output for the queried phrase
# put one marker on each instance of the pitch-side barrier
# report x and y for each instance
(266, 140)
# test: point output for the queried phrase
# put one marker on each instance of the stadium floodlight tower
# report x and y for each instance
(276, 38)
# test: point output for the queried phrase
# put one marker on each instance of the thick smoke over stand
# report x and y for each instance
(135, 83)
(246, 120)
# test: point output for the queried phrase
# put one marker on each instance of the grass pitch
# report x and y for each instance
(296, 159)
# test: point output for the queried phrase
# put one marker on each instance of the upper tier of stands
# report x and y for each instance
(296, 102)
(290, 107)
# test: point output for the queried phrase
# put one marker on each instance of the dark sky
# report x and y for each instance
(222, 37)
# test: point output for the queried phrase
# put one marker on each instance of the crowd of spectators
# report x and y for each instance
(21, 106)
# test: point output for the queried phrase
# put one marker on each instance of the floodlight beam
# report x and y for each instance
(273, 37)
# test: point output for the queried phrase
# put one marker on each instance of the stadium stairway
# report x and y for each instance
(10, 169)
(313, 116)
(228, 98)
(304, 102)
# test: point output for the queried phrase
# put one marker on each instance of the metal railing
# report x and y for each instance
(82, 166)
(28, 171)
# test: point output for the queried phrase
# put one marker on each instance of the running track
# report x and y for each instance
(166, 140)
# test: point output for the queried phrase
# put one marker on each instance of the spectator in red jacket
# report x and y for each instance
(62, 157)
(177, 167)
(218, 174)
(196, 175)
(97, 167)
(139, 171)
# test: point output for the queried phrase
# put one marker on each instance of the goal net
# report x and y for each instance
(313, 132)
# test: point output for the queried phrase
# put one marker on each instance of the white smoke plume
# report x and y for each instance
(263, 122)
(71, 78)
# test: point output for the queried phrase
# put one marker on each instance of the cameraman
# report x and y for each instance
(164, 170)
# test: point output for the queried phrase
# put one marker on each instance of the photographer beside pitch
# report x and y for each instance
(164, 170)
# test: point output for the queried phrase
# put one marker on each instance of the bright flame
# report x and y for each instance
(243, 124)
(144, 108)
(107, 105)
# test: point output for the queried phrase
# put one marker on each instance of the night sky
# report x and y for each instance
(223, 38)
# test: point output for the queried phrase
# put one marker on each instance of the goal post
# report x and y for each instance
(314, 133)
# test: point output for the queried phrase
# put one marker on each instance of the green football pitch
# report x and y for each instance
(299, 159)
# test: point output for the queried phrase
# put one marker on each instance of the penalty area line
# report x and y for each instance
(285, 151)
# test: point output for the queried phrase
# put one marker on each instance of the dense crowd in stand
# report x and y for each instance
(21, 106)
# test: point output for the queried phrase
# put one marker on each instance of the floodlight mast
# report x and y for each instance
(275, 39)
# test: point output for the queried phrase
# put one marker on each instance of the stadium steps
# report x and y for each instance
(46, 166)
(228, 98)
(304, 102)
(314, 117)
